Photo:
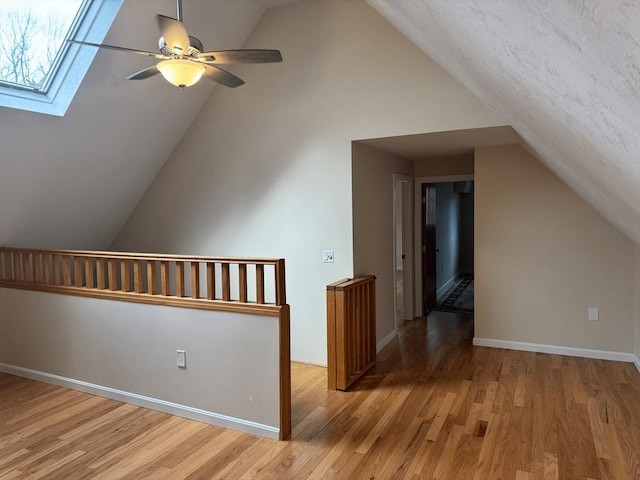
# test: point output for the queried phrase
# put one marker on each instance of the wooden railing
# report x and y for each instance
(247, 284)
(351, 330)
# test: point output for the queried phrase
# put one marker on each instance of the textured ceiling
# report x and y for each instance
(564, 73)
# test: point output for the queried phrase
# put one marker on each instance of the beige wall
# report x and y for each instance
(446, 165)
(373, 227)
(232, 359)
(265, 169)
(543, 256)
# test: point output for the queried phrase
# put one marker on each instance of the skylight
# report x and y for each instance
(32, 36)
(39, 70)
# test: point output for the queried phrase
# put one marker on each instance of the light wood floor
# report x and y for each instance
(436, 407)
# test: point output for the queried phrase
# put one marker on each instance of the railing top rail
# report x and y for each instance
(351, 282)
(146, 256)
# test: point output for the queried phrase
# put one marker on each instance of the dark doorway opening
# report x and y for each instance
(447, 246)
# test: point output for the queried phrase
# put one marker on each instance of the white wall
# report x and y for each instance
(466, 231)
(265, 169)
(373, 227)
(543, 256)
(232, 359)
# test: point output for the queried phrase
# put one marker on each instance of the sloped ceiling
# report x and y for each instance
(564, 73)
(72, 181)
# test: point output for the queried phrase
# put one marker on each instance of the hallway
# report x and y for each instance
(435, 407)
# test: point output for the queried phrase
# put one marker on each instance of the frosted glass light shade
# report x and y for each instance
(182, 73)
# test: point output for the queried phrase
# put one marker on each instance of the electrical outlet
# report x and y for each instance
(327, 256)
(181, 358)
(592, 313)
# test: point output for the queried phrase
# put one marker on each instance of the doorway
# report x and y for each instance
(446, 245)
(403, 264)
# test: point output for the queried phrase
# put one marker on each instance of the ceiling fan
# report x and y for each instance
(183, 61)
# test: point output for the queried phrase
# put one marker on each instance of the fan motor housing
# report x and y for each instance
(195, 47)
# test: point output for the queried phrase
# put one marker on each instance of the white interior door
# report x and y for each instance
(403, 248)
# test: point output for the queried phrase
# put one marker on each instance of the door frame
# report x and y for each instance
(417, 243)
(408, 239)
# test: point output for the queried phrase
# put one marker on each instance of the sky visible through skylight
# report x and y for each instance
(32, 32)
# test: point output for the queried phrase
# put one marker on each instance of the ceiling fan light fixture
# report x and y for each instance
(181, 73)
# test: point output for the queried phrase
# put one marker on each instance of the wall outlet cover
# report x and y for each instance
(327, 256)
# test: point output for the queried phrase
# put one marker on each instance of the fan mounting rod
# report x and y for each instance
(179, 7)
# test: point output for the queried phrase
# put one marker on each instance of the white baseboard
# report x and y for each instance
(383, 343)
(556, 349)
(177, 409)
(443, 289)
(636, 362)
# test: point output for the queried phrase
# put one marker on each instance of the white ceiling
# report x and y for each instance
(451, 142)
(564, 73)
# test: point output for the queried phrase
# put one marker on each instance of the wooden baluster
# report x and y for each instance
(260, 284)
(195, 279)
(151, 277)
(15, 259)
(88, 272)
(353, 319)
(7, 265)
(226, 283)
(46, 268)
(26, 267)
(11, 267)
(211, 281)
(281, 295)
(66, 270)
(242, 282)
(165, 282)
(17, 266)
(372, 319)
(341, 340)
(55, 259)
(100, 273)
(112, 274)
(77, 271)
(180, 279)
(125, 283)
(367, 324)
(35, 268)
(138, 279)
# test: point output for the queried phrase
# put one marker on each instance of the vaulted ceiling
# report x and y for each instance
(564, 73)
(72, 181)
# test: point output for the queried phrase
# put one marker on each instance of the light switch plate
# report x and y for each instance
(181, 358)
(593, 313)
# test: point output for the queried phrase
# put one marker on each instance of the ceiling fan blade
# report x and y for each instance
(174, 34)
(241, 56)
(222, 76)
(121, 49)
(146, 73)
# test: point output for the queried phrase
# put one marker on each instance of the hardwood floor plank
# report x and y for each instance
(434, 407)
